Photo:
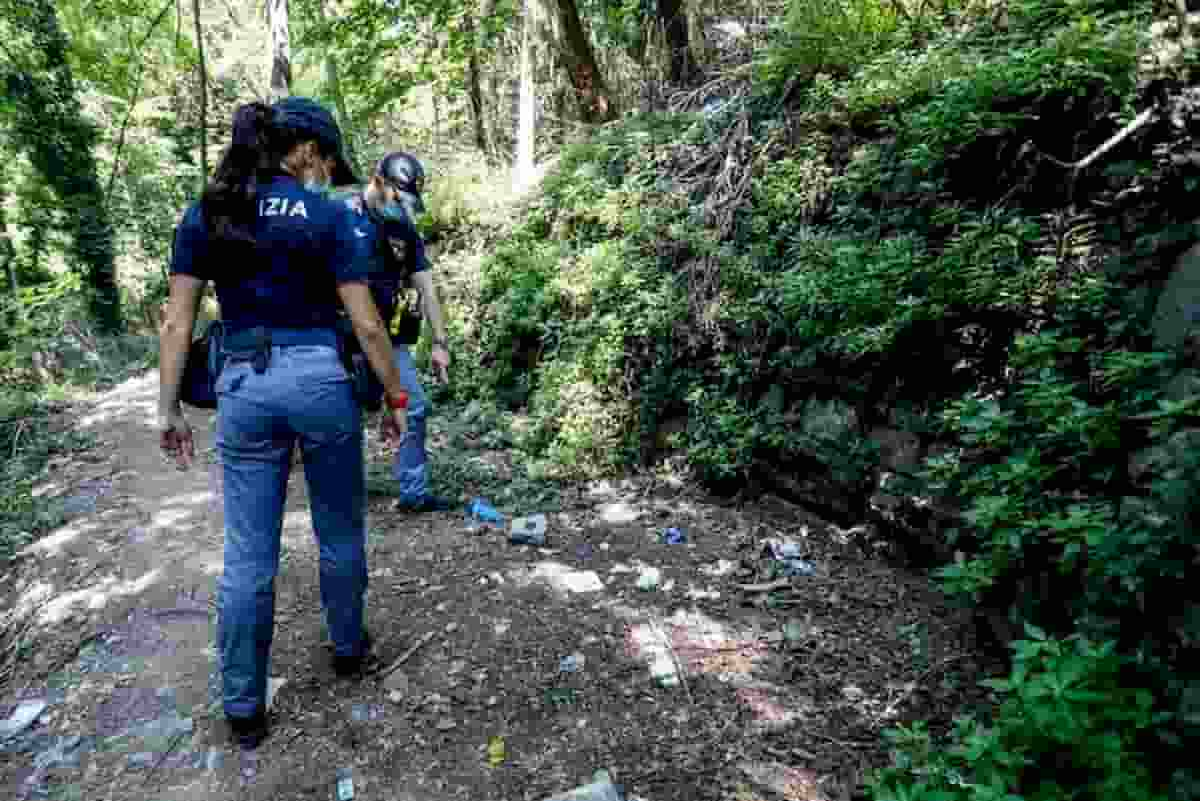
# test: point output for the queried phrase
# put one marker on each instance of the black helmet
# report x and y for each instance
(406, 175)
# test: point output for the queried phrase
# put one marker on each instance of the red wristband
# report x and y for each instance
(398, 403)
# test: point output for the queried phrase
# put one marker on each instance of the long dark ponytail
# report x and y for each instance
(258, 143)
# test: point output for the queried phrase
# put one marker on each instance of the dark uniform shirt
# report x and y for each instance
(308, 244)
(398, 252)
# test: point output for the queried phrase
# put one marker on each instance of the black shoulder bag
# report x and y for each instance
(205, 359)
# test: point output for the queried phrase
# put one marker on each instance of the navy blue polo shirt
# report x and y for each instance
(398, 252)
(308, 244)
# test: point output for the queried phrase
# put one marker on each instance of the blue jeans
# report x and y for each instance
(410, 469)
(304, 394)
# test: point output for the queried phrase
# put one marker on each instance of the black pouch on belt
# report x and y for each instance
(367, 389)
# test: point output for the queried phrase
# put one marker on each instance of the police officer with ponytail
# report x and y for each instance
(284, 259)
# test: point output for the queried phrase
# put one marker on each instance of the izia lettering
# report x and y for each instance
(281, 207)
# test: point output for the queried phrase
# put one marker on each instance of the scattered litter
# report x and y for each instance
(22, 718)
(568, 580)
(788, 555)
(571, 663)
(446, 724)
(601, 788)
(529, 530)
(649, 579)
(618, 513)
(673, 536)
(481, 510)
(560, 695)
(604, 546)
(345, 784)
(496, 752)
(362, 713)
(274, 685)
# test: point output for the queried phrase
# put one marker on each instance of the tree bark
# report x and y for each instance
(281, 49)
(474, 90)
(203, 95)
(8, 253)
(46, 122)
(672, 18)
(526, 105)
(595, 102)
(333, 85)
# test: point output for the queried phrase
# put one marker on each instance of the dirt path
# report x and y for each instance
(694, 689)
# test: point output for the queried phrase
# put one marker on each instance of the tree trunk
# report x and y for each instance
(8, 253)
(526, 106)
(672, 19)
(595, 102)
(333, 86)
(47, 123)
(281, 49)
(474, 90)
(203, 96)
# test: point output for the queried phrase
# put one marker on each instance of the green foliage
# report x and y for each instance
(42, 110)
(1067, 728)
(32, 431)
(829, 36)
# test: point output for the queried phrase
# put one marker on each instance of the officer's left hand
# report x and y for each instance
(440, 357)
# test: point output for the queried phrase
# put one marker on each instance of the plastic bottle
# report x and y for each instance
(528, 530)
(345, 785)
(481, 510)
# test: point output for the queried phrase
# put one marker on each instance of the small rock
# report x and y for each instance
(492, 700)
(442, 607)
(451, 628)
(395, 696)
(446, 724)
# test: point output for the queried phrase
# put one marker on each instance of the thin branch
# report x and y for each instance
(137, 91)
(1120, 136)
(662, 635)
(203, 95)
(425, 638)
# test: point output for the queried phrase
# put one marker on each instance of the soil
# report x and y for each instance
(724, 681)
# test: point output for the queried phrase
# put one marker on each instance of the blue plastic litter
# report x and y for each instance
(674, 536)
(481, 510)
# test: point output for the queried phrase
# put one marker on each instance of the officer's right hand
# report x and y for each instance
(395, 424)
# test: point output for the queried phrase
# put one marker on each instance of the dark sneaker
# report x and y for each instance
(348, 667)
(249, 732)
(424, 503)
